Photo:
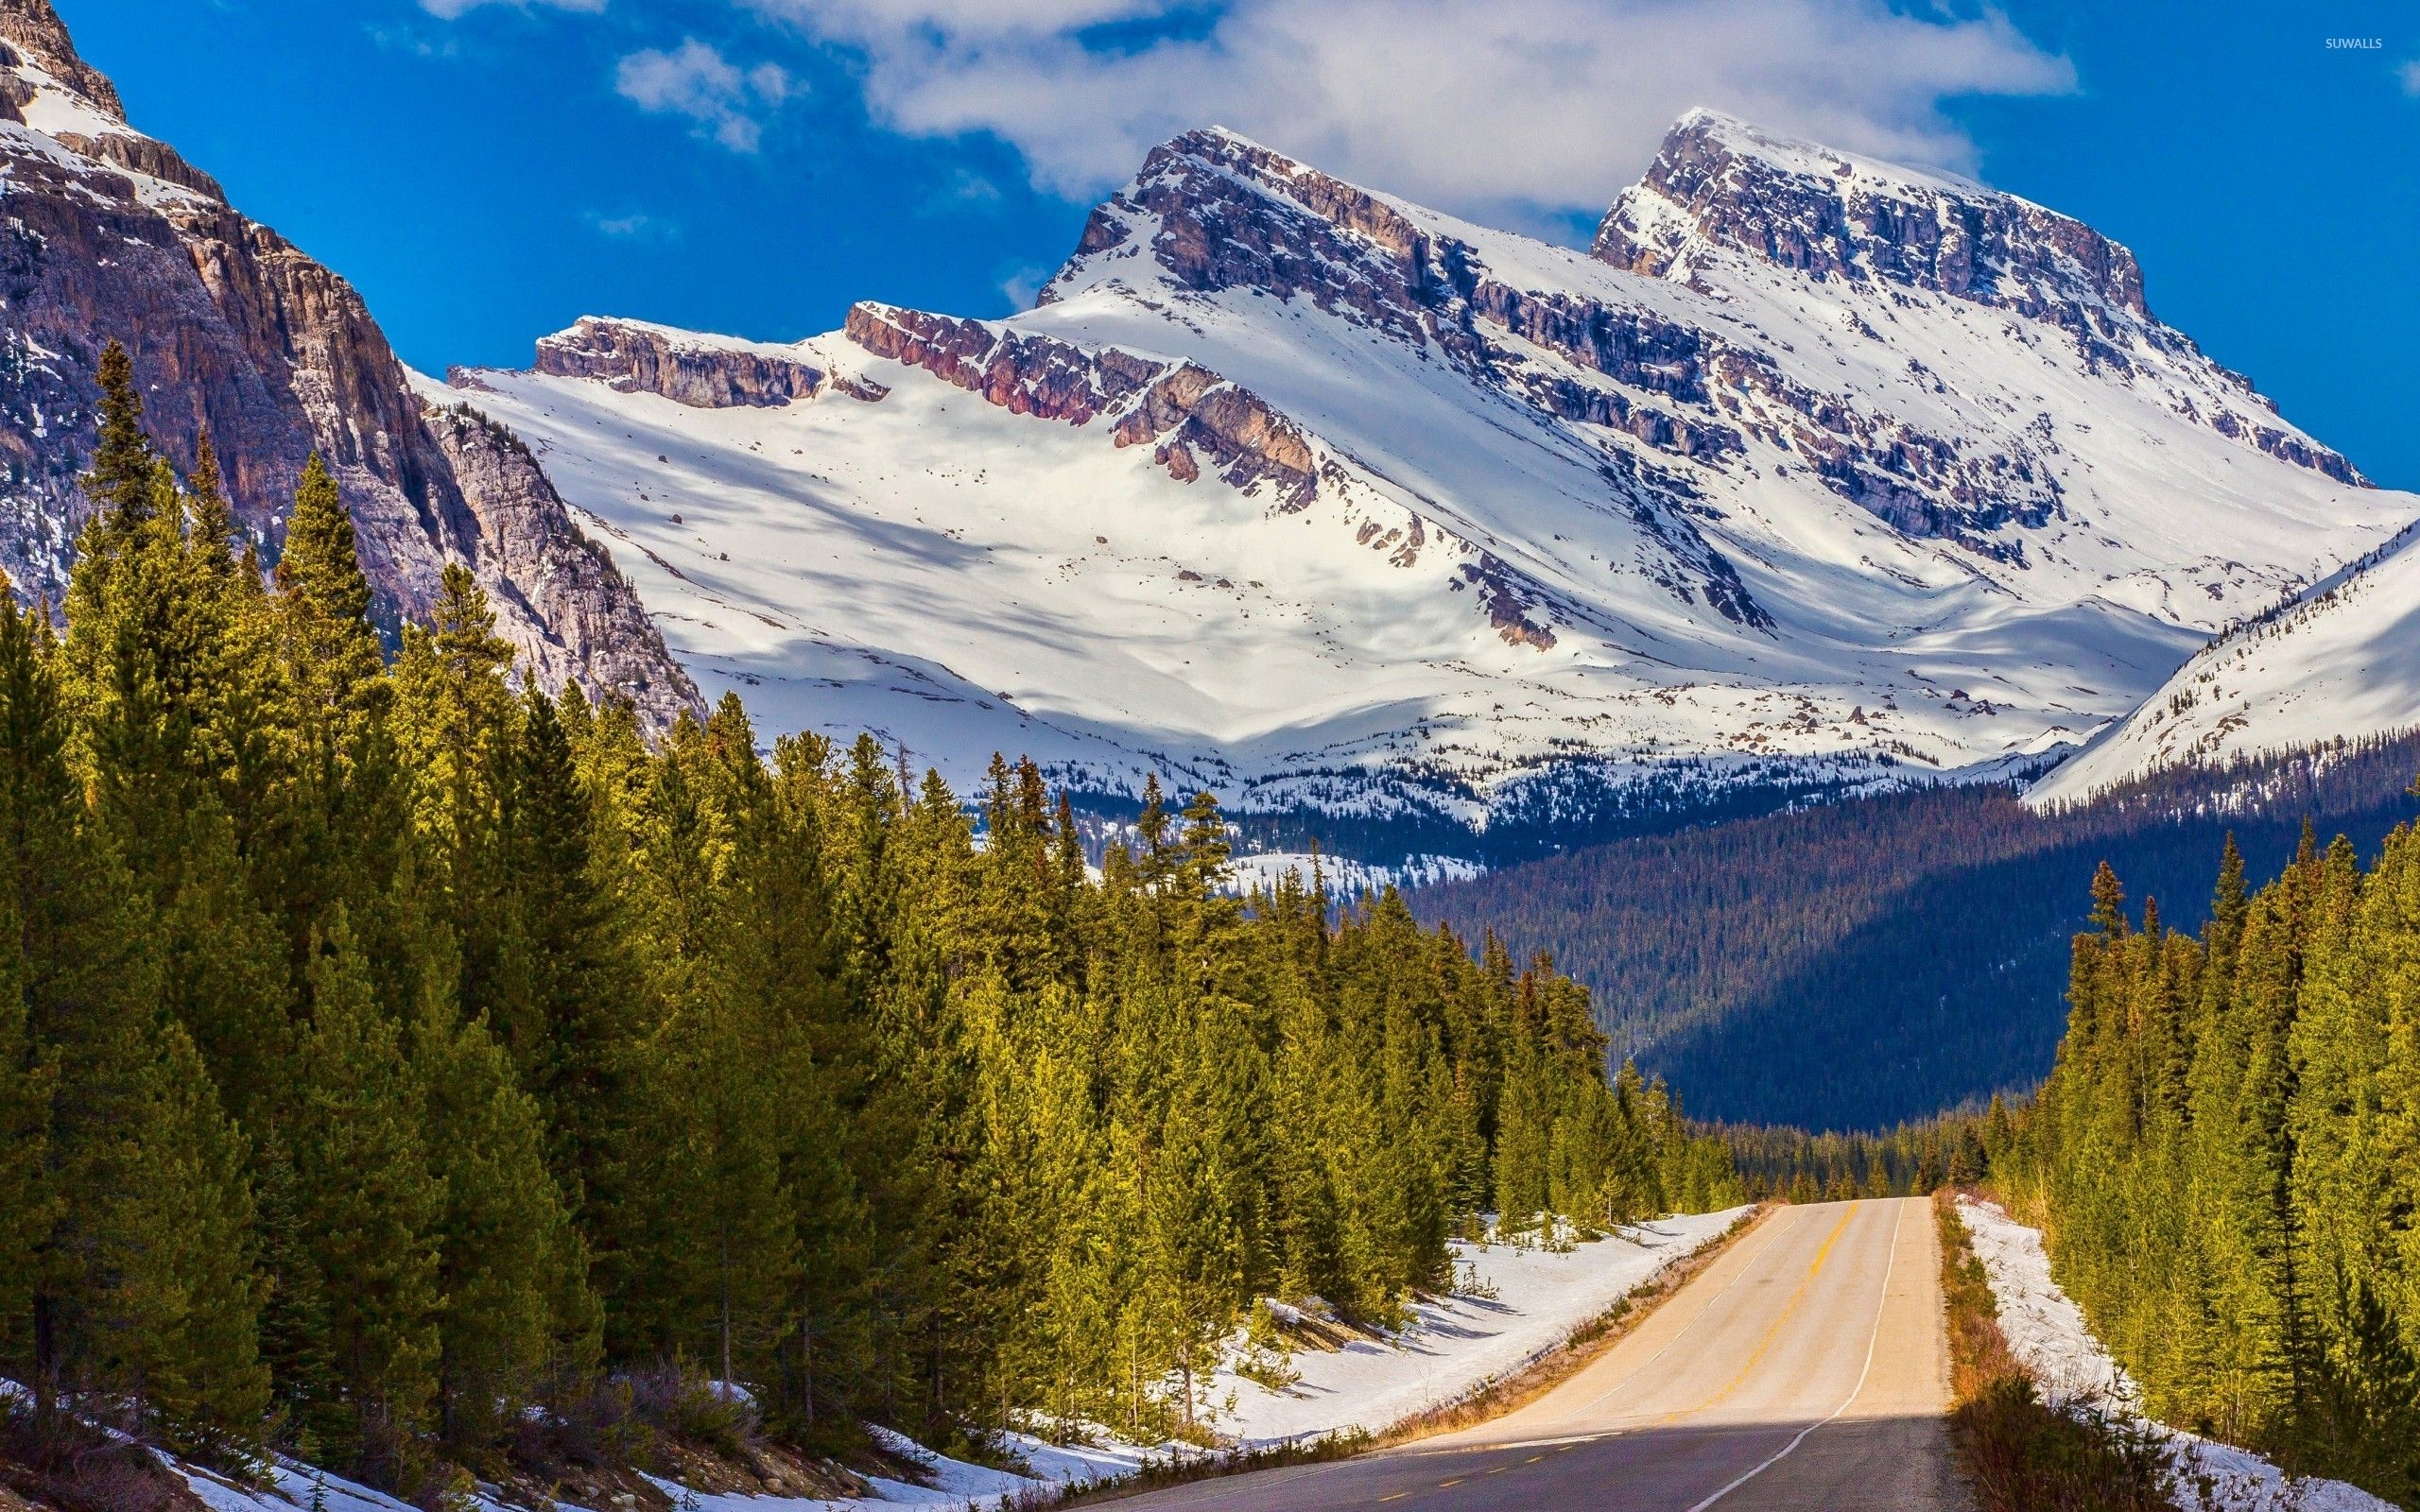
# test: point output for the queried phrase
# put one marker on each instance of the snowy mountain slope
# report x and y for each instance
(1815, 470)
(2340, 661)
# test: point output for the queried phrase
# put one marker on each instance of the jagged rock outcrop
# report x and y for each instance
(233, 329)
(1180, 409)
(1818, 215)
(1718, 182)
(577, 618)
(636, 357)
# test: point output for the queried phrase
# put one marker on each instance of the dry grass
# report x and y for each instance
(2020, 1454)
(67, 1464)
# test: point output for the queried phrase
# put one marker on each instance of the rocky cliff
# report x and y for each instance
(109, 234)
(703, 373)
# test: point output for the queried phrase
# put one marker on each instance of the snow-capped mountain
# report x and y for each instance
(106, 233)
(1813, 470)
(2339, 660)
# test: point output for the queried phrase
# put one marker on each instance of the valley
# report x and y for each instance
(1754, 850)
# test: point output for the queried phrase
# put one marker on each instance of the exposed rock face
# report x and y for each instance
(590, 628)
(110, 234)
(636, 357)
(35, 33)
(1720, 183)
(1180, 409)
(1827, 219)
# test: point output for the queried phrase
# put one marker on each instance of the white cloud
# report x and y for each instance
(635, 227)
(451, 9)
(2410, 74)
(1512, 107)
(1022, 283)
(725, 101)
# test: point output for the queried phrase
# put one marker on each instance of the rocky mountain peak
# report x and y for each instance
(1215, 209)
(231, 329)
(1720, 184)
(33, 29)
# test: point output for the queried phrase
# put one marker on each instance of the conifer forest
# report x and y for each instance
(2228, 1153)
(389, 1047)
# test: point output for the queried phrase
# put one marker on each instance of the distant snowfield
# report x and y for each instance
(1916, 534)
(2047, 1334)
(1343, 876)
(2341, 663)
(1453, 1347)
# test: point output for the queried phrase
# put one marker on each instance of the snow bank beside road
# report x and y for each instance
(1515, 1304)
(1457, 1344)
(2047, 1334)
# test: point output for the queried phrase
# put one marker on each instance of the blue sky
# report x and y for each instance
(488, 170)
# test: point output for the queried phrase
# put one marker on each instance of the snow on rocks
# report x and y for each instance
(2047, 1334)
(1304, 493)
(1344, 876)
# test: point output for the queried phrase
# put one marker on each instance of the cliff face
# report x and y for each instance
(1718, 184)
(636, 357)
(108, 234)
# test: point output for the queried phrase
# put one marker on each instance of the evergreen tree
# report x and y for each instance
(185, 1313)
(372, 1211)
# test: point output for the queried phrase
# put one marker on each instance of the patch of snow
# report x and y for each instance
(2047, 1334)
(2338, 662)
(1455, 1345)
(1344, 876)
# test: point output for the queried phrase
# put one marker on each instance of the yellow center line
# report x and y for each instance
(1396, 1497)
(1497, 1470)
(1783, 1224)
(1823, 1253)
(1456, 1481)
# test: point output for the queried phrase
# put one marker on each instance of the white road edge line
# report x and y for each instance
(1888, 1267)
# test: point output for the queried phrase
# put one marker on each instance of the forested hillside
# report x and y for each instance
(2230, 1150)
(389, 1050)
(1858, 965)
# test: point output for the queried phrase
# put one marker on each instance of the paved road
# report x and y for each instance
(1806, 1367)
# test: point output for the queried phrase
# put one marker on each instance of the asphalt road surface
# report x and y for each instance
(1806, 1369)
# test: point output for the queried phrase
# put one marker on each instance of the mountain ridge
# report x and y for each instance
(113, 234)
(1927, 490)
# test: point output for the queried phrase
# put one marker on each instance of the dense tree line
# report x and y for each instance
(1861, 964)
(387, 1047)
(2229, 1155)
(1912, 1159)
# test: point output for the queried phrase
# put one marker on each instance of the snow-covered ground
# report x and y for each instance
(1344, 876)
(2047, 1332)
(1512, 1305)
(1914, 532)
(2340, 662)
(1459, 1342)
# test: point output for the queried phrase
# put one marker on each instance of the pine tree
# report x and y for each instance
(28, 1203)
(185, 1315)
(211, 526)
(372, 1211)
(516, 1310)
(88, 987)
(121, 483)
